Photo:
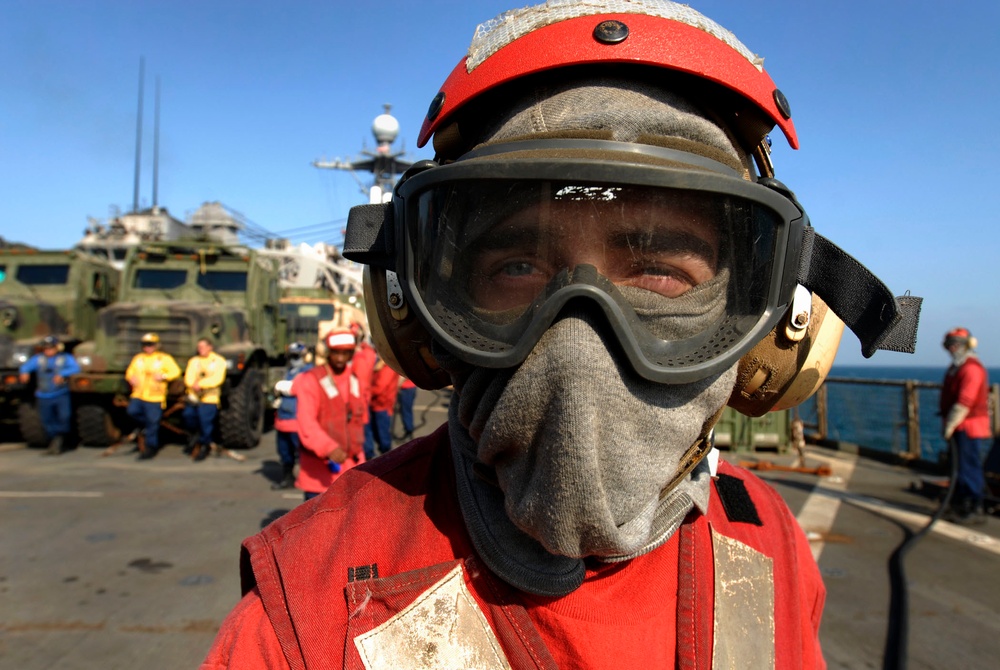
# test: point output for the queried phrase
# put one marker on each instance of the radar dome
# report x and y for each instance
(385, 128)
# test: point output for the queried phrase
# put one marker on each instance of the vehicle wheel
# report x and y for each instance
(30, 423)
(96, 427)
(242, 421)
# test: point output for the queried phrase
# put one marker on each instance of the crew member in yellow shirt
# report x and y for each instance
(203, 378)
(149, 373)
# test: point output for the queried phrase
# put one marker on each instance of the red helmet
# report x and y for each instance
(672, 36)
(492, 161)
(959, 333)
(340, 338)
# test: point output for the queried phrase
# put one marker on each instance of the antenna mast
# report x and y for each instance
(138, 138)
(156, 143)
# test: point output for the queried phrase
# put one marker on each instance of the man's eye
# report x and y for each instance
(517, 269)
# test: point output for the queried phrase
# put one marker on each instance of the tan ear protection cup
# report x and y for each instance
(779, 372)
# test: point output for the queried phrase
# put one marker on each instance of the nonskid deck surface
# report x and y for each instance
(112, 562)
(855, 518)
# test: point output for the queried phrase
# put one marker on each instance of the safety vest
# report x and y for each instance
(380, 573)
(145, 368)
(329, 416)
(47, 369)
(968, 383)
(210, 372)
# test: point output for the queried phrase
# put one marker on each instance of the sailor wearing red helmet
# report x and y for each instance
(965, 420)
(598, 260)
(330, 413)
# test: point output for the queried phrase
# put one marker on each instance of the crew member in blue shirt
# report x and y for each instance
(52, 369)
(286, 424)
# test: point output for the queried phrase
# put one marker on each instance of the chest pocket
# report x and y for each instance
(442, 629)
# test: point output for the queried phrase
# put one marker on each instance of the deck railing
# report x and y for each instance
(890, 418)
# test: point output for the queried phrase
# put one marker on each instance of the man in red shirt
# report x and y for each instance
(385, 386)
(407, 396)
(364, 368)
(598, 260)
(330, 413)
(965, 420)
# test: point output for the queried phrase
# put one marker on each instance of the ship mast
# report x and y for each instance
(384, 164)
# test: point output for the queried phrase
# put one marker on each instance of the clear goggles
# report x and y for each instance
(689, 264)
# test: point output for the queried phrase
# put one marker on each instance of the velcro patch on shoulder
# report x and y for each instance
(736, 501)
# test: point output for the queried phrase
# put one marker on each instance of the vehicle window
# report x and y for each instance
(321, 312)
(220, 280)
(3, 272)
(148, 278)
(42, 275)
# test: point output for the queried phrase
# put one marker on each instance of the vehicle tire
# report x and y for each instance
(241, 422)
(96, 427)
(29, 422)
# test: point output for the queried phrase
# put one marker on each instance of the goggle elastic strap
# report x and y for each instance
(858, 297)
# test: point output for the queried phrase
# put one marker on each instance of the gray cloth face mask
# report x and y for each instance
(570, 455)
(960, 355)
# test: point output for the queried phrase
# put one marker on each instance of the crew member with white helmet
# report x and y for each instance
(329, 415)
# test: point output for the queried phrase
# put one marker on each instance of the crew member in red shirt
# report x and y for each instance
(965, 420)
(385, 386)
(330, 415)
(407, 396)
(598, 260)
(364, 368)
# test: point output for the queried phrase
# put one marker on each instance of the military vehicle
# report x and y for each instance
(184, 290)
(310, 313)
(44, 293)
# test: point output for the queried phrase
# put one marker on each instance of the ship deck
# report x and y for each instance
(111, 563)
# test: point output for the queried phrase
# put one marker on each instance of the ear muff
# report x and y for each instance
(790, 363)
(973, 342)
(402, 342)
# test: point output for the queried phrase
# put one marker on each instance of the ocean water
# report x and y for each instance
(875, 416)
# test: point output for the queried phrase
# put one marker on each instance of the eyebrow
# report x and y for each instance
(516, 235)
(505, 237)
(666, 241)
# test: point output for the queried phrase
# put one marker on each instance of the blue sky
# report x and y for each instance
(894, 102)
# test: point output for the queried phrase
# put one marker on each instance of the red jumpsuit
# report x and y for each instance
(380, 573)
(385, 386)
(363, 365)
(330, 416)
(967, 385)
